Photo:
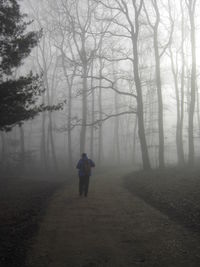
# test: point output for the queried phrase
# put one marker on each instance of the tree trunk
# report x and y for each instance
(193, 87)
(51, 139)
(179, 140)
(116, 132)
(84, 110)
(140, 111)
(43, 151)
(50, 127)
(198, 110)
(134, 139)
(160, 102)
(182, 160)
(100, 144)
(49, 102)
(93, 117)
(22, 147)
(3, 149)
(70, 158)
(69, 113)
(116, 144)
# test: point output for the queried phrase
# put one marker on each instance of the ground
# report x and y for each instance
(22, 205)
(136, 219)
(113, 226)
(174, 192)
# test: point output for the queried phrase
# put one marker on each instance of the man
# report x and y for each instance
(84, 166)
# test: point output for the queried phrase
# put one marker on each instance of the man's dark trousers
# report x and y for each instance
(83, 185)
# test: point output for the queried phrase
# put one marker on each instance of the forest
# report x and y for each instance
(126, 75)
(119, 81)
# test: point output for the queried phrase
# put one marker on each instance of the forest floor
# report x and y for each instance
(23, 203)
(117, 225)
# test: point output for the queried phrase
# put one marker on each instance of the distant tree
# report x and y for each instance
(191, 7)
(179, 83)
(92, 128)
(79, 16)
(18, 96)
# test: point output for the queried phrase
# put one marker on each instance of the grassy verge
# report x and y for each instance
(175, 192)
(22, 204)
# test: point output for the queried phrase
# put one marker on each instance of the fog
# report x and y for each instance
(99, 133)
(127, 78)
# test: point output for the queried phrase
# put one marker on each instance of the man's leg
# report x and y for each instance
(87, 180)
(81, 185)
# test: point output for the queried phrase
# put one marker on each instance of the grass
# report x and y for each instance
(175, 192)
(22, 204)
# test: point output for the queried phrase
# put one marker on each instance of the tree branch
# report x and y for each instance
(108, 117)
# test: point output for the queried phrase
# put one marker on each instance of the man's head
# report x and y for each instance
(84, 155)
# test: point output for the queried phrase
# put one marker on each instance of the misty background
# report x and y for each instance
(127, 75)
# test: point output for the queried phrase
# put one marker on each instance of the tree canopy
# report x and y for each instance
(18, 95)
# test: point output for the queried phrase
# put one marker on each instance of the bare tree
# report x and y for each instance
(70, 82)
(47, 63)
(191, 6)
(100, 145)
(92, 112)
(79, 17)
(158, 53)
(130, 30)
(182, 160)
(179, 89)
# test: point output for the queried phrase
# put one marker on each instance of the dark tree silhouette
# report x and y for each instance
(18, 96)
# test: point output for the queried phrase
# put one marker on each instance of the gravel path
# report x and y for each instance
(111, 227)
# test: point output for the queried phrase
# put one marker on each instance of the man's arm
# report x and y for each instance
(92, 164)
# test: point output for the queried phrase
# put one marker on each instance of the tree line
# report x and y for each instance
(132, 52)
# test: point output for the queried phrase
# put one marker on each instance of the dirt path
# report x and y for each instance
(109, 228)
